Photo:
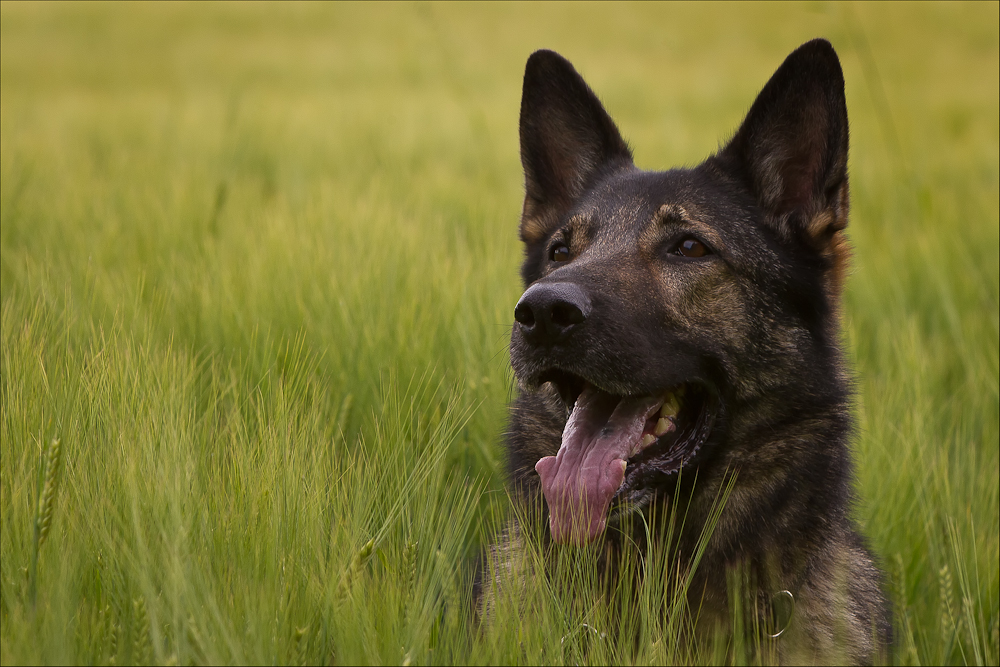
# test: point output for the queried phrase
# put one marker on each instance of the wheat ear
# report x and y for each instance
(360, 558)
(47, 498)
(141, 653)
(43, 512)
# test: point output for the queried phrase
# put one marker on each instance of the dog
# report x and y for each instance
(688, 321)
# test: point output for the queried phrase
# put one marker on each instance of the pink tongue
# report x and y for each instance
(582, 478)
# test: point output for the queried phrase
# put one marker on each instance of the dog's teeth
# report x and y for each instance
(648, 439)
(662, 426)
(670, 407)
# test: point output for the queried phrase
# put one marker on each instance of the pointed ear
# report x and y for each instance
(567, 138)
(792, 147)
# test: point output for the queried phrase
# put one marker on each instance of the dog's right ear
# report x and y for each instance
(792, 147)
(567, 138)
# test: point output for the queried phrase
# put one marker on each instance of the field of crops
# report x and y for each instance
(258, 264)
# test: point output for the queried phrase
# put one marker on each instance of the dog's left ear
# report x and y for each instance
(791, 149)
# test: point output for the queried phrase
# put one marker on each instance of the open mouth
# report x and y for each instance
(613, 443)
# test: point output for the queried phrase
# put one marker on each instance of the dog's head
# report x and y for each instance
(659, 304)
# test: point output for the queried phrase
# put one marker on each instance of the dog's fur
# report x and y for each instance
(724, 279)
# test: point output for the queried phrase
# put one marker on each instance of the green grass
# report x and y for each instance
(257, 266)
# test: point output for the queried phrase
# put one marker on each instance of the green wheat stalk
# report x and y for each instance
(300, 646)
(45, 507)
(113, 643)
(948, 620)
(410, 574)
(359, 559)
(195, 640)
(141, 653)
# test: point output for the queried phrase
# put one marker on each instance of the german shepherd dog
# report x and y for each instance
(689, 320)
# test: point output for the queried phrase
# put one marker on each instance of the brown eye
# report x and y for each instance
(692, 248)
(559, 253)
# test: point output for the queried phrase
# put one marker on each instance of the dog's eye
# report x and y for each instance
(559, 253)
(692, 247)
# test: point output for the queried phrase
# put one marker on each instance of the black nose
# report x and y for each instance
(547, 312)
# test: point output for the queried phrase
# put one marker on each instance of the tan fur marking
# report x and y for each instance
(507, 566)
(675, 211)
(534, 222)
(825, 230)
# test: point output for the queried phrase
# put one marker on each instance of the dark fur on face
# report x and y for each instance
(718, 286)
